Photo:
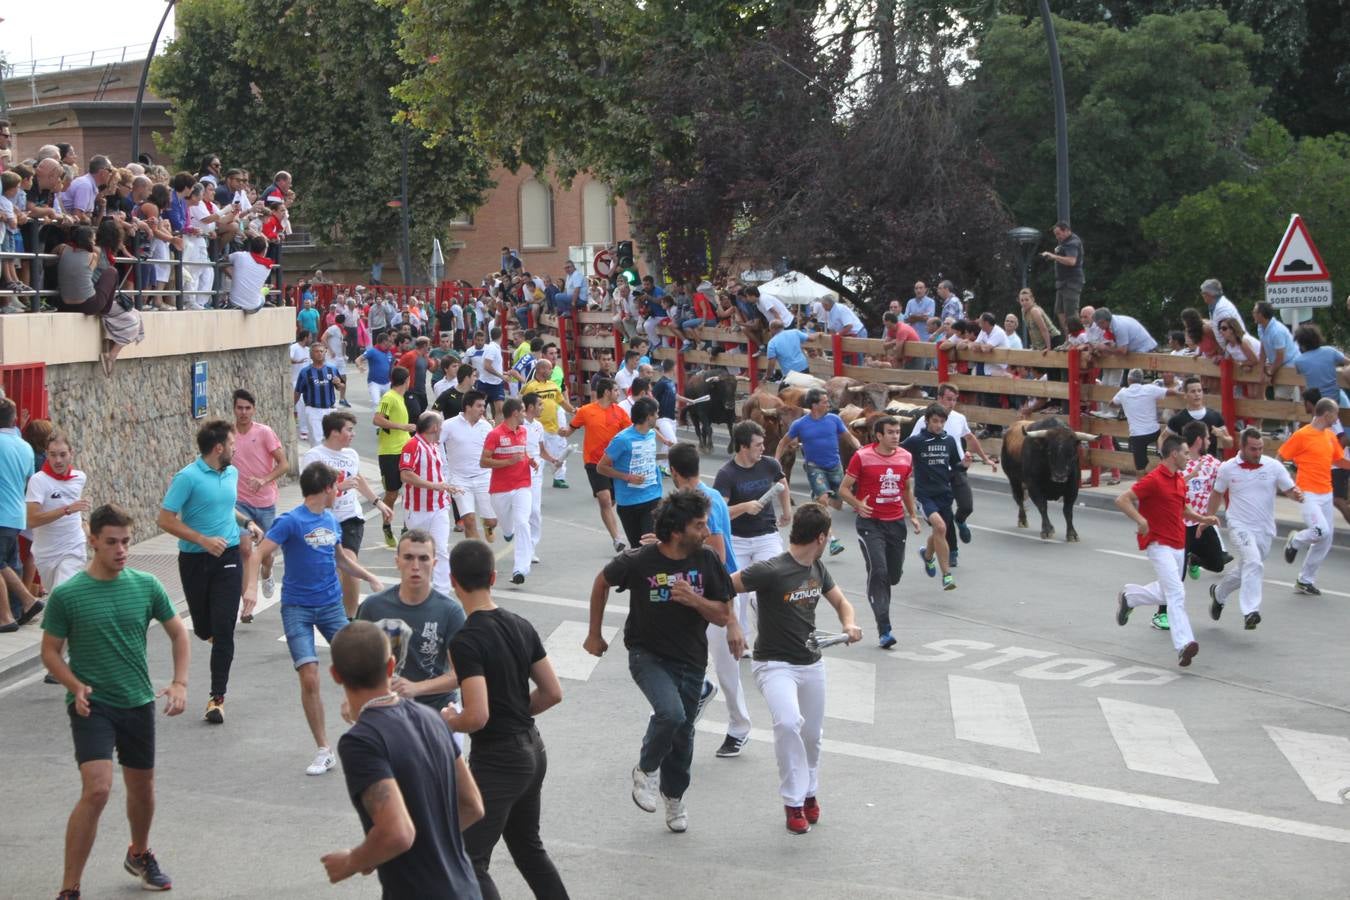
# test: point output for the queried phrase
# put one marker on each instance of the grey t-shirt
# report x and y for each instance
(429, 627)
(1069, 276)
(788, 593)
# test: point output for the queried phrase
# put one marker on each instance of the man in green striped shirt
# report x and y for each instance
(101, 615)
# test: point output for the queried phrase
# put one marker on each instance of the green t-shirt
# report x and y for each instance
(391, 440)
(104, 625)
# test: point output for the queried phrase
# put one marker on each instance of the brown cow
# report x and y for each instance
(775, 413)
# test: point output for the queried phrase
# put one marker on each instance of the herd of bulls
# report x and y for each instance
(1040, 458)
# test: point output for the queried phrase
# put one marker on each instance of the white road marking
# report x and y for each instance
(1027, 535)
(23, 682)
(1218, 814)
(1121, 553)
(318, 640)
(610, 607)
(850, 689)
(564, 649)
(1152, 739)
(1321, 760)
(991, 712)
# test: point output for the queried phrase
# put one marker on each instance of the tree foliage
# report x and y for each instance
(305, 87)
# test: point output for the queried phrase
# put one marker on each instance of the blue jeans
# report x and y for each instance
(672, 688)
(263, 515)
(824, 482)
(299, 623)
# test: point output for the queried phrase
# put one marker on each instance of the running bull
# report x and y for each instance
(1041, 460)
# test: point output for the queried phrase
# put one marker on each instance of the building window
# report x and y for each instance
(536, 215)
(463, 220)
(597, 214)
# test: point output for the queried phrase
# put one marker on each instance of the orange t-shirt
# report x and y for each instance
(601, 425)
(1313, 452)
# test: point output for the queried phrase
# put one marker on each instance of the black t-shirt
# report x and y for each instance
(1070, 275)
(936, 456)
(445, 320)
(738, 484)
(450, 403)
(657, 623)
(420, 634)
(1211, 418)
(410, 744)
(499, 646)
(787, 593)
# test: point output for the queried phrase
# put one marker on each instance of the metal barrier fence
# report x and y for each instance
(136, 272)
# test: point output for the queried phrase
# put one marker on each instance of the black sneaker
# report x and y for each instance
(1187, 654)
(1290, 551)
(619, 546)
(732, 746)
(704, 698)
(963, 532)
(1251, 620)
(517, 578)
(72, 894)
(1215, 607)
(1303, 587)
(1122, 610)
(146, 868)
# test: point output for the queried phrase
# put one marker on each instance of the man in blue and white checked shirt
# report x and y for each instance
(318, 385)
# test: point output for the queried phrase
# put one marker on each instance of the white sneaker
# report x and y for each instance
(324, 761)
(677, 820)
(269, 587)
(644, 790)
(535, 560)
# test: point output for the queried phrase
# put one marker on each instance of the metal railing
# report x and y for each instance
(82, 60)
(36, 290)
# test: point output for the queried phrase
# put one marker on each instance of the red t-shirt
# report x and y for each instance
(409, 362)
(904, 332)
(703, 308)
(271, 229)
(881, 481)
(504, 442)
(1162, 498)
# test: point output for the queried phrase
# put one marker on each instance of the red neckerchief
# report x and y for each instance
(260, 259)
(47, 467)
(1243, 465)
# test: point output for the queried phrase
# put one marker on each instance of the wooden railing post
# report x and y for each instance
(679, 367)
(504, 323)
(1075, 376)
(752, 351)
(1228, 387)
(618, 345)
(943, 365)
(837, 348)
(562, 352)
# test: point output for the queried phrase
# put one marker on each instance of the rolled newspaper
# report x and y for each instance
(819, 640)
(771, 493)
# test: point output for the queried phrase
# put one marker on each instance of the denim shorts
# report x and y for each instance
(697, 323)
(263, 515)
(299, 623)
(823, 481)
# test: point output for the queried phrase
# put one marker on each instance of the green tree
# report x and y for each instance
(1156, 112)
(307, 90)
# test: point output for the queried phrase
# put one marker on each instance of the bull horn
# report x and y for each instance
(770, 413)
(1038, 433)
(854, 388)
(1084, 436)
(858, 423)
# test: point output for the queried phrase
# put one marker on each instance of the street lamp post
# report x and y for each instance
(1026, 239)
(1061, 116)
(140, 91)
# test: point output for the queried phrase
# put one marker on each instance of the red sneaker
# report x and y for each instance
(811, 809)
(796, 820)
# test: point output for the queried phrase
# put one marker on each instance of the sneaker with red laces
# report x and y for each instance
(146, 868)
(811, 809)
(796, 820)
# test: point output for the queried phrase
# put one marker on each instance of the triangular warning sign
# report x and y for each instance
(1297, 259)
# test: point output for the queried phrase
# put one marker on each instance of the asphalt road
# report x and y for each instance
(1016, 743)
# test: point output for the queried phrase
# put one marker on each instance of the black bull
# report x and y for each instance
(720, 407)
(1041, 459)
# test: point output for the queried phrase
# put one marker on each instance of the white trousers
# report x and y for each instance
(198, 272)
(314, 423)
(513, 514)
(728, 667)
(536, 510)
(56, 569)
(436, 523)
(376, 392)
(1245, 577)
(558, 448)
(1169, 564)
(795, 696)
(1317, 515)
(665, 428)
(300, 417)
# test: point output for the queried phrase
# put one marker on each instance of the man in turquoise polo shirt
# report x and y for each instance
(17, 606)
(199, 510)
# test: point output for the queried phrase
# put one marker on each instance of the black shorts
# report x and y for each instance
(598, 482)
(9, 548)
(492, 392)
(353, 533)
(131, 731)
(389, 472)
(1340, 483)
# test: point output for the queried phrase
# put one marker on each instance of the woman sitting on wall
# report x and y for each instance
(89, 278)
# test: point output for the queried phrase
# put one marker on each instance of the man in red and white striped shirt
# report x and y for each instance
(426, 492)
(511, 467)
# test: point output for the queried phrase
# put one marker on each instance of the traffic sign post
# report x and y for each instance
(1297, 279)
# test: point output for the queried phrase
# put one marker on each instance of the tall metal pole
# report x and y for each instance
(405, 251)
(140, 91)
(1061, 117)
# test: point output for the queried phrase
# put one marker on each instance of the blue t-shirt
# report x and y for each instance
(16, 467)
(786, 347)
(719, 521)
(309, 320)
(1318, 368)
(820, 438)
(633, 452)
(1275, 337)
(663, 391)
(310, 542)
(204, 500)
(378, 365)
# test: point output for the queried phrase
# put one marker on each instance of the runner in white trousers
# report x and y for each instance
(537, 449)
(512, 469)
(1248, 484)
(1315, 450)
(788, 670)
(426, 492)
(1157, 505)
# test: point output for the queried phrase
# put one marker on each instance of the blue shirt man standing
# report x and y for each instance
(16, 467)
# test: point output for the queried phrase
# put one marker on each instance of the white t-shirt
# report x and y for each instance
(299, 359)
(462, 447)
(492, 352)
(334, 338)
(774, 310)
(1014, 340)
(441, 387)
(624, 378)
(997, 338)
(247, 280)
(196, 213)
(534, 436)
(457, 313)
(65, 536)
(958, 428)
(1251, 493)
(1140, 402)
(347, 463)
